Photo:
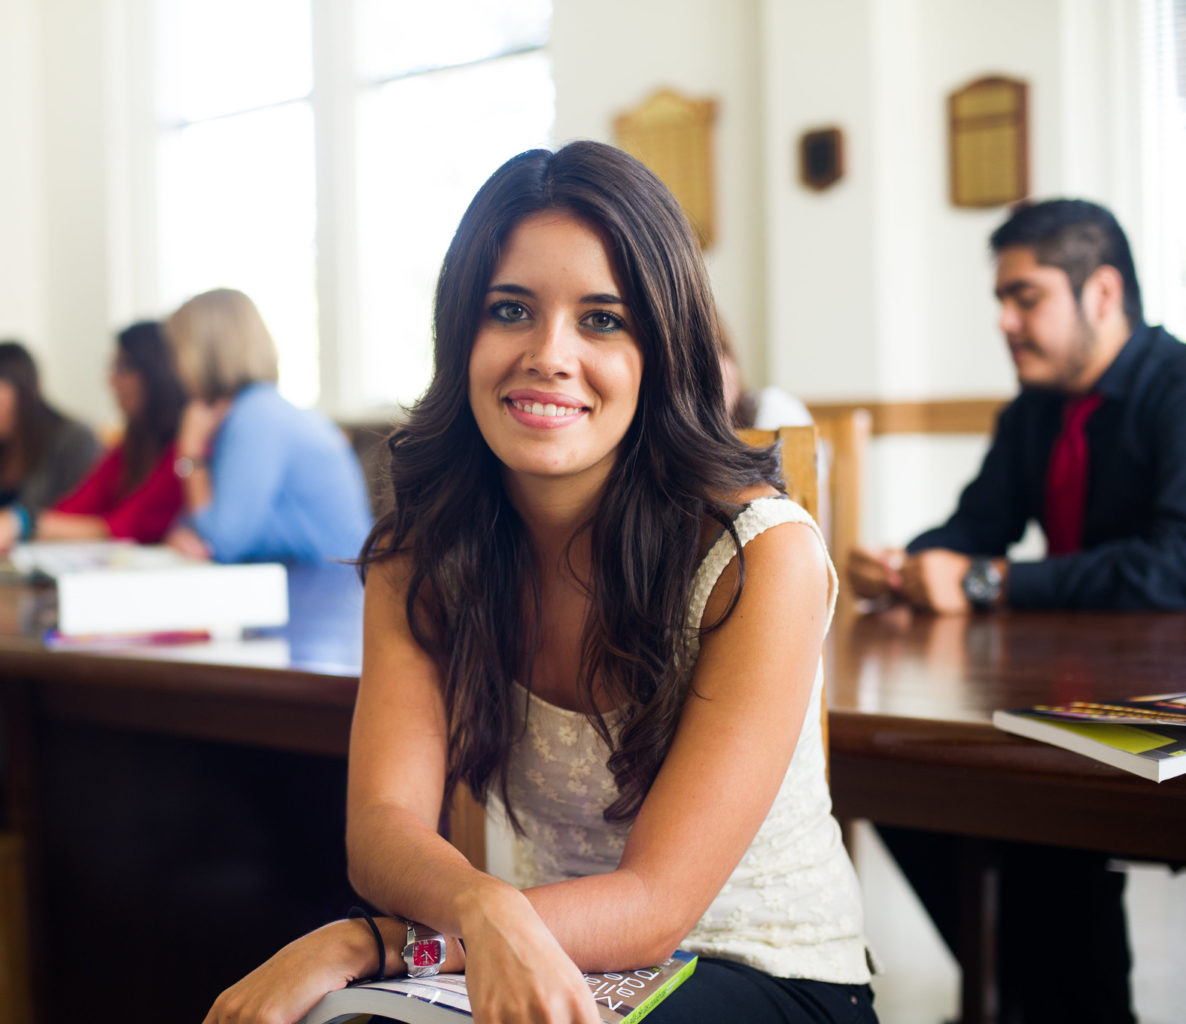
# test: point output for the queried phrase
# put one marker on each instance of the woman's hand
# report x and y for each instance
(10, 529)
(283, 989)
(199, 422)
(516, 971)
(185, 540)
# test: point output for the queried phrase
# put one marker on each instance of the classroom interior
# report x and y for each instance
(876, 289)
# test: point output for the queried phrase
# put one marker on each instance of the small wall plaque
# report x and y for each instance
(989, 142)
(821, 158)
(672, 135)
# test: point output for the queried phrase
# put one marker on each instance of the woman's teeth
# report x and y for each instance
(540, 409)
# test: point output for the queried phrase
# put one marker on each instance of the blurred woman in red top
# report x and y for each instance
(133, 492)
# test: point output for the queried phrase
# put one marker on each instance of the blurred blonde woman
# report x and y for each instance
(262, 479)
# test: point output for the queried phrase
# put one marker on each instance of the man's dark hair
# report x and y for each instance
(1077, 237)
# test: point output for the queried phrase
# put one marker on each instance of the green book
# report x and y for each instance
(622, 997)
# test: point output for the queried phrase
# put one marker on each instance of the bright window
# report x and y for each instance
(1164, 68)
(450, 90)
(325, 179)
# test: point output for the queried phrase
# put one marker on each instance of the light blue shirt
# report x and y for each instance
(287, 485)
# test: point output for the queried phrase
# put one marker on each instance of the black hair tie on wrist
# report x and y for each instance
(365, 914)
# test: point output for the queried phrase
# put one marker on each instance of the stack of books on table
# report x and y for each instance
(1145, 735)
(116, 588)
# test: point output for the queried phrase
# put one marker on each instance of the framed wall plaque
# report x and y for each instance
(821, 158)
(988, 144)
(672, 135)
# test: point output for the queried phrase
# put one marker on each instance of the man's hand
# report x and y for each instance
(933, 580)
(875, 573)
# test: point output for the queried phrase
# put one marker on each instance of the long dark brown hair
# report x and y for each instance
(473, 580)
(142, 349)
(23, 450)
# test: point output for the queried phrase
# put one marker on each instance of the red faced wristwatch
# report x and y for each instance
(424, 951)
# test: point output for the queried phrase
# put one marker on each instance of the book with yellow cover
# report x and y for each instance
(1146, 735)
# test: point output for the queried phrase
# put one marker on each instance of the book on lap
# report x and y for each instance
(622, 997)
(1146, 735)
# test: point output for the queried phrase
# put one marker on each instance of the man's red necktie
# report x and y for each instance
(1066, 477)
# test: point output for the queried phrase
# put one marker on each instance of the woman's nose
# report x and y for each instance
(550, 350)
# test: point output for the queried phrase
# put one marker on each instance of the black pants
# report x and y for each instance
(1062, 952)
(720, 992)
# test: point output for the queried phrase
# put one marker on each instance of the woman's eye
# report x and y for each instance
(603, 321)
(509, 311)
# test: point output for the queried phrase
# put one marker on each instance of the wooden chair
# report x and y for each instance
(798, 454)
(844, 440)
(369, 443)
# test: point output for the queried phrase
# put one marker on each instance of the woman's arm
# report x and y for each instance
(731, 750)
(53, 525)
(397, 859)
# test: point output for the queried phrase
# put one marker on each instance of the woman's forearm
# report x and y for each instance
(71, 526)
(404, 867)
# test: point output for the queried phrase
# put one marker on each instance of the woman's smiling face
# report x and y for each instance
(555, 370)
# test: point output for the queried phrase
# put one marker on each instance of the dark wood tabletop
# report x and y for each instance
(910, 700)
(912, 742)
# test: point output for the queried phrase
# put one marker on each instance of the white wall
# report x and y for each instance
(21, 312)
(875, 287)
(611, 55)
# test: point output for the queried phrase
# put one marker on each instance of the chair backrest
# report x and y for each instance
(798, 451)
(799, 455)
(844, 439)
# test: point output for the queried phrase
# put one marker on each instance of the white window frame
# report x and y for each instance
(336, 87)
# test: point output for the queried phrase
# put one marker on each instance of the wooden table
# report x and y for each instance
(182, 806)
(912, 744)
(912, 741)
(910, 706)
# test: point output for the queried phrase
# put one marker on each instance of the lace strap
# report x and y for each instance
(753, 519)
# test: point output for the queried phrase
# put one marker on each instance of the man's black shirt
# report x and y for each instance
(1134, 528)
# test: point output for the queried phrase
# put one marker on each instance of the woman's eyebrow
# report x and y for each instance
(594, 298)
(511, 289)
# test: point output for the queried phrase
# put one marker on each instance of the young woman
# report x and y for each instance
(132, 493)
(43, 454)
(592, 606)
(262, 479)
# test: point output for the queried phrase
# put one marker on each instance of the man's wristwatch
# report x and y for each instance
(982, 584)
(424, 951)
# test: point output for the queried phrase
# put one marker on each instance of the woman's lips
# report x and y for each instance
(536, 412)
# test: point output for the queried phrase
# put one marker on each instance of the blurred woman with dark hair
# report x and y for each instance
(42, 453)
(133, 492)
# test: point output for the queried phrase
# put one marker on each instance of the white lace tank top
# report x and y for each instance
(791, 908)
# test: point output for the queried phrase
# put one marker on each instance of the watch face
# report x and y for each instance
(426, 953)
